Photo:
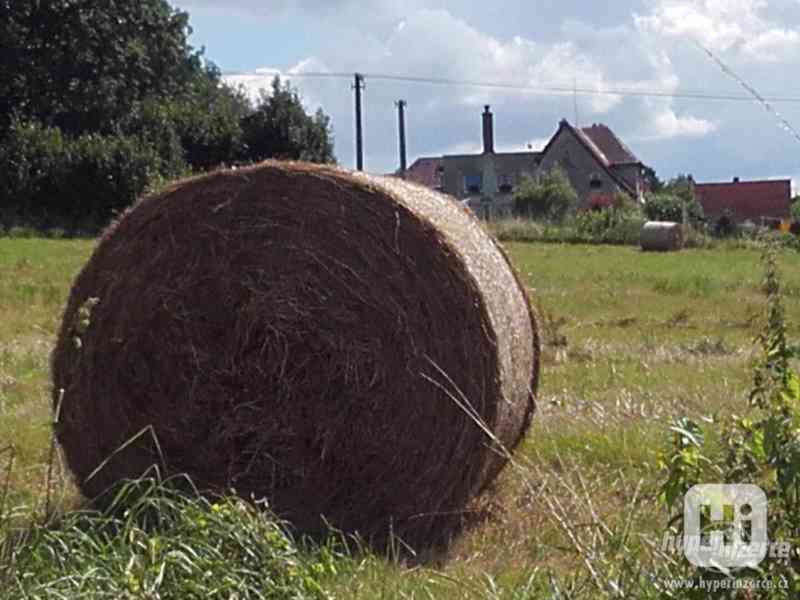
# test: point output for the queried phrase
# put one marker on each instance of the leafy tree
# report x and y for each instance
(795, 208)
(100, 99)
(206, 122)
(209, 122)
(654, 184)
(83, 65)
(681, 186)
(114, 67)
(549, 197)
(281, 128)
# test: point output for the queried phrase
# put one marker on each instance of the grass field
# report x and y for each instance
(632, 340)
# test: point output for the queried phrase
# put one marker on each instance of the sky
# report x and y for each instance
(632, 45)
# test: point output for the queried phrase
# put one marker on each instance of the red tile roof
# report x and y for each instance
(612, 150)
(745, 199)
(425, 171)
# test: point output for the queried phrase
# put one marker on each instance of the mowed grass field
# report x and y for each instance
(632, 340)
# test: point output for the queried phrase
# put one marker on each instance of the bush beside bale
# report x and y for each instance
(661, 236)
(48, 180)
(346, 346)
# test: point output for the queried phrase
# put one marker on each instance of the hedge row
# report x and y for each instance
(48, 180)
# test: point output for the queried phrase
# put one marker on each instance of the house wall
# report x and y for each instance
(579, 164)
(631, 174)
(491, 202)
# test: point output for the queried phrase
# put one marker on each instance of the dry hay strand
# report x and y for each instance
(661, 236)
(342, 345)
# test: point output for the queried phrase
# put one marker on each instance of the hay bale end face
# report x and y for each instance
(323, 340)
(661, 236)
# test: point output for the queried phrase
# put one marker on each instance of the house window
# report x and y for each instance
(439, 178)
(505, 183)
(473, 184)
(595, 181)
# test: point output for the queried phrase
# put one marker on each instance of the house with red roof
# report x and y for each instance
(599, 166)
(486, 181)
(427, 171)
(740, 201)
(598, 163)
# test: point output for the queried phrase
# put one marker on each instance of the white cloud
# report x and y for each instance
(741, 26)
(261, 80)
(666, 125)
(774, 45)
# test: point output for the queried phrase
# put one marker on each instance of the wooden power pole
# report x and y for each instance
(359, 85)
(401, 122)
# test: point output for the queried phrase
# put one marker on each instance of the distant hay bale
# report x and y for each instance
(322, 339)
(661, 236)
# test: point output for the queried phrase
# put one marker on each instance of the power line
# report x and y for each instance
(765, 102)
(543, 89)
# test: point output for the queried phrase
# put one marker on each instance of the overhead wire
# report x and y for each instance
(541, 89)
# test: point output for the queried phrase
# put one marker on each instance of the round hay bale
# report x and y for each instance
(342, 345)
(661, 236)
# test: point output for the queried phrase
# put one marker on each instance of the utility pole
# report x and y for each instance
(359, 85)
(401, 122)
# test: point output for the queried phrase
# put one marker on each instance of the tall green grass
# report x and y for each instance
(631, 341)
(155, 540)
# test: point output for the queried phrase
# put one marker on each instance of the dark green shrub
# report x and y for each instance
(550, 197)
(625, 231)
(725, 226)
(610, 225)
(593, 223)
(794, 209)
(22, 232)
(31, 157)
(105, 175)
(670, 207)
(56, 233)
(48, 180)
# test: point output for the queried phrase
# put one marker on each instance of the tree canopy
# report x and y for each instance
(83, 65)
(102, 92)
(654, 184)
(280, 128)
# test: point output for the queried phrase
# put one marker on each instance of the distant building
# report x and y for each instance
(426, 171)
(597, 163)
(485, 182)
(740, 201)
